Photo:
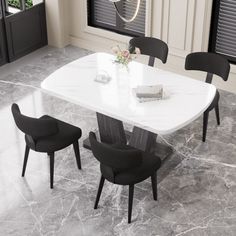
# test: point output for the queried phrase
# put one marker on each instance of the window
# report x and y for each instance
(19, 4)
(223, 29)
(102, 14)
(15, 6)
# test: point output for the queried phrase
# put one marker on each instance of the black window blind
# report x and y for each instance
(223, 33)
(138, 25)
(102, 14)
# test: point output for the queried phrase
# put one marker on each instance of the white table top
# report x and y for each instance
(187, 100)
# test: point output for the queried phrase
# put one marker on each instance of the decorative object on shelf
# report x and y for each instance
(135, 13)
(124, 56)
(146, 93)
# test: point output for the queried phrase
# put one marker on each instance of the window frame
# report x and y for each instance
(213, 31)
(110, 34)
(119, 28)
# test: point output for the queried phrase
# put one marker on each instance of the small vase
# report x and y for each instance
(122, 66)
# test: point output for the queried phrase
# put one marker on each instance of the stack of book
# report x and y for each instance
(147, 93)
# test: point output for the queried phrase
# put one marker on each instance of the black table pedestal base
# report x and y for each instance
(112, 131)
(158, 149)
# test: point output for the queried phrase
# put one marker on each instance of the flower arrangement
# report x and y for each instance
(124, 56)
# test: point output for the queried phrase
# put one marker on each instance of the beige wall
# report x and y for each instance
(183, 24)
(57, 22)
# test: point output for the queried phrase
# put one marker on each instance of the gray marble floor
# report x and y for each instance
(197, 184)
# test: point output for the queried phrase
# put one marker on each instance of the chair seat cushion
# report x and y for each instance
(150, 164)
(66, 135)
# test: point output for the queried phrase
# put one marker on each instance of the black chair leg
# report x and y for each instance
(131, 196)
(77, 154)
(51, 156)
(99, 192)
(154, 185)
(25, 160)
(205, 122)
(217, 113)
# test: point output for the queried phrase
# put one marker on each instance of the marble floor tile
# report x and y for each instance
(196, 184)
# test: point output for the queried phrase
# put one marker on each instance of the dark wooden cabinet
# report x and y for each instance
(26, 31)
(3, 46)
(22, 32)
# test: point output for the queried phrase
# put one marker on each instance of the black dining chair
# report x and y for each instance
(213, 64)
(46, 134)
(124, 165)
(152, 47)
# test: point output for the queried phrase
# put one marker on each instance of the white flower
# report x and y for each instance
(137, 51)
(115, 49)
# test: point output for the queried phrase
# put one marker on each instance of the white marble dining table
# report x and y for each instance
(185, 98)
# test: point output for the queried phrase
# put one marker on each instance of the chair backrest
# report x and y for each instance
(211, 63)
(116, 158)
(153, 47)
(34, 127)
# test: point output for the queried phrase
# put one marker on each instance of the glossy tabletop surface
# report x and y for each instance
(185, 98)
